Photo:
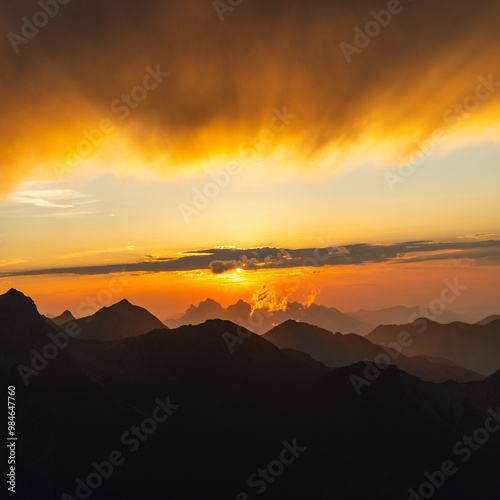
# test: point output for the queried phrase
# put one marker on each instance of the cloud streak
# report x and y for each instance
(221, 260)
(37, 202)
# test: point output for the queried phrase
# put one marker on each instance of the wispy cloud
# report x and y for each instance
(13, 262)
(66, 214)
(46, 197)
(37, 202)
(51, 194)
(481, 237)
(86, 253)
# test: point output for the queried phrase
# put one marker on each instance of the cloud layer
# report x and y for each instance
(221, 260)
(226, 78)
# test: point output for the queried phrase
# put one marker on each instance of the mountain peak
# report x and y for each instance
(208, 302)
(119, 321)
(123, 303)
(241, 307)
(19, 311)
(292, 326)
(290, 322)
(426, 320)
(241, 302)
(15, 296)
(65, 317)
(14, 293)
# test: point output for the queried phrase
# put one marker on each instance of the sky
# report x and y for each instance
(199, 149)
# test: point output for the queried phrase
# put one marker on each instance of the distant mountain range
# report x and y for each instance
(400, 314)
(455, 351)
(336, 350)
(233, 414)
(260, 321)
(489, 319)
(475, 347)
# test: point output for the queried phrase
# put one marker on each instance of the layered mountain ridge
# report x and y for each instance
(231, 412)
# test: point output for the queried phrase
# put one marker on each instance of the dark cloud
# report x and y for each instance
(227, 77)
(220, 260)
(222, 266)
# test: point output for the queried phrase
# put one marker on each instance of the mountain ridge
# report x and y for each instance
(119, 320)
(336, 350)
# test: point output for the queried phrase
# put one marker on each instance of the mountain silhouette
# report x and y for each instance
(489, 319)
(234, 410)
(401, 314)
(361, 322)
(194, 315)
(118, 321)
(260, 321)
(19, 314)
(63, 318)
(475, 347)
(336, 350)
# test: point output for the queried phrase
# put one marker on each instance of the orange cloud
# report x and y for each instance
(70, 84)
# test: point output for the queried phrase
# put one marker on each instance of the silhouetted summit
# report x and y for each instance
(16, 299)
(118, 321)
(18, 313)
(63, 318)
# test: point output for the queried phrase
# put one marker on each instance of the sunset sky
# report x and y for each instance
(209, 151)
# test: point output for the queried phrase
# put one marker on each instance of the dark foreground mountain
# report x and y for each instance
(336, 350)
(118, 321)
(254, 423)
(19, 314)
(475, 347)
